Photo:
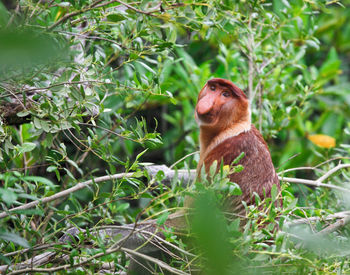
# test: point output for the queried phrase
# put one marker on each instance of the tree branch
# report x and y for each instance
(335, 226)
(69, 15)
(184, 174)
(94, 6)
(339, 215)
(315, 183)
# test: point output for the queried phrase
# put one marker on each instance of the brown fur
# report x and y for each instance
(258, 174)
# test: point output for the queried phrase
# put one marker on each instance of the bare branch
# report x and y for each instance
(297, 169)
(156, 261)
(339, 215)
(315, 183)
(183, 174)
(186, 176)
(95, 5)
(134, 9)
(335, 226)
(145, 234)
(251, 72)
(332, 171)
(72, 14)
(318, 182)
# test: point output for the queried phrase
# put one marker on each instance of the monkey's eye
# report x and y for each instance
(212, 87)
(226, 94)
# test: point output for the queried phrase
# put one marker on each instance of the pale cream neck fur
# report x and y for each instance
(233, 131)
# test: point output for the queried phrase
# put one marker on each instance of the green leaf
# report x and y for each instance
(140, 154)
(27, 196)
(23, 113)
(8, 196)
(37, 123)
(51, 168)
(69, 173)
(148, 68)
(237, 159)
(294, 111)
(75, 165)
(162, 218)
(26, 147)
(238, 168)
(234, 189)
(138, 174)
(5, 259)
(11, 237)
(116, 17)
(213, 167)
(42, 180)
(274, 192)
(30, 212)
(122, 207)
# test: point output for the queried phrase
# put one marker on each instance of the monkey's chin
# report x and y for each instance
(204, 121)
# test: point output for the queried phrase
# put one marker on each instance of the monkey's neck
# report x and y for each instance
(209, 139)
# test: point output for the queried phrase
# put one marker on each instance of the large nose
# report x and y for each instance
(205, 104)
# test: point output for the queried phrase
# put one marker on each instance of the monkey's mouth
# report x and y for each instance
(207, 118)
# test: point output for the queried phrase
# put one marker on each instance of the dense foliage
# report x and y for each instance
(94, 88)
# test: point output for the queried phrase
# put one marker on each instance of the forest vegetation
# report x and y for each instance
(92, 92)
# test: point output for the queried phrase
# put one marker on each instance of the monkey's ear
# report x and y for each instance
(228, 84)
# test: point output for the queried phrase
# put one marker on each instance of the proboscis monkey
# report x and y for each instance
(223, 115)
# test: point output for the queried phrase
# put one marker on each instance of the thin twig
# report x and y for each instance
(86, 36)
(338, 215)
(181, 159)
(250, 47)
(96, 5)
(318, 182)
(332, 171)
(36, 89)
(298, 169)
(15, 96)
(147, 233)
(313, 183)
(170, 173)
(30, 265)
(135, 9)
(72, 14)
(13, 15)
(154, 260)
(67, 83)
(335, 226)
(329, 160)
(107, 130)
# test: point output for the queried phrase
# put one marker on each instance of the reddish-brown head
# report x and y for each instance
(221, 104)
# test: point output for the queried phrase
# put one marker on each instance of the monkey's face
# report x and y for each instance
(219, 105)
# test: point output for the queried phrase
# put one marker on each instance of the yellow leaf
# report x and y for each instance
(58, 15)
(323, 141)
(165, 16)
(226, 168)
(61, 12)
